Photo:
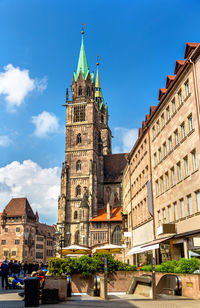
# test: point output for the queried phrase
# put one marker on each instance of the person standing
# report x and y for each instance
(4, 274)
(25, 267)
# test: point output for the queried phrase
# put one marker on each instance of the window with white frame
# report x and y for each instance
(168, 113)
(165, 149)
(164, 216)
(170, 213)
(163, 120)
(176, 137)
(198, 200)
(180, 98)
(190, 209)
(160, 154)
(174, 105)
(158, 126)
(172, 176)
(194, 160)
(187, 90)
(170, 143)
(190, 123)
(159, 218)
(157, 188)
(167, 180)
(161, 184)
(155, 159)
(175, 210)
(183, 130)
(179, 175)
(182, 208)
(186, 165)
(154, 132)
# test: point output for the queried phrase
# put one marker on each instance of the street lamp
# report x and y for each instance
(61, 238)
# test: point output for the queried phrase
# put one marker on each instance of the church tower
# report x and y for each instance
(88, 138)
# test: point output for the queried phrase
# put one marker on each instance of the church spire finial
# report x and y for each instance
(98, 93)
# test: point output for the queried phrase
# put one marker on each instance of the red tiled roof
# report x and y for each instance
(45, 230)
(114, 165)
(102, 215)
(162, 91)
(19, 207)
(169, 80)
(147, 116)
(189, 47)
(179, 64)
(152, 109)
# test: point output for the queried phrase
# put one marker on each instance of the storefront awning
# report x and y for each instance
(150, 246)
(158, 241)
(140, 249)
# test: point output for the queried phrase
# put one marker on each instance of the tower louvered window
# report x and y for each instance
(79, 91)
(78, 139)
(79, 113)
(88, 91)
(78, 165)
(78, 191)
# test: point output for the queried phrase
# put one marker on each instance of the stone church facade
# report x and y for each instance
(91, 175)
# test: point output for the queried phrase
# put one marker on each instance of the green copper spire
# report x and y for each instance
(82, 62)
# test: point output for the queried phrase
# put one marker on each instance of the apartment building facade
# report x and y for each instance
(172, 130)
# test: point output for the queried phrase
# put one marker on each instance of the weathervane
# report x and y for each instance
(82, 29)
(97, 60)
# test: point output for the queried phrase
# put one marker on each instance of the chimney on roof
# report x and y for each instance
(108, 210)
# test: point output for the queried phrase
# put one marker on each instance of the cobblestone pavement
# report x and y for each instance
(10, 299)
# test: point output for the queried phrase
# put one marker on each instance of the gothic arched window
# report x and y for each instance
(78, 191)
(75, 215)
(76, 237)
(78, 139)
(88, 91)
(79, 91)
(117, 236)
(78, 165)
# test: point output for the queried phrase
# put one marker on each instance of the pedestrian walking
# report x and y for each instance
(4, 274)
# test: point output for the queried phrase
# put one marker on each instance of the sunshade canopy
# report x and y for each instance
(107, 248)
(75, 250)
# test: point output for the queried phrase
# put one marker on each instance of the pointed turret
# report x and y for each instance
(82, 63)
(98, 93)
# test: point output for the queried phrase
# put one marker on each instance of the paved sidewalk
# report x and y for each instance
(10, 299)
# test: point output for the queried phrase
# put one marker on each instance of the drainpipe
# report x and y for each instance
(129, 167)
(196, 94)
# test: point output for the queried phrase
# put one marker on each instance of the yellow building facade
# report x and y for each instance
(164, 181)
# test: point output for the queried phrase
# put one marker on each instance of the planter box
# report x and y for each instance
(57, 282)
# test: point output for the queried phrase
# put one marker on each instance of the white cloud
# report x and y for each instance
(16, 84)
(40, 185)
(124, 139)
(5, 141)
(45, 123)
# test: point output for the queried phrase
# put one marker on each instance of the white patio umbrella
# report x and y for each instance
(75, 250)
(107, 248)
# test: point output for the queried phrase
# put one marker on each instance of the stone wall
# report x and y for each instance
(121, 280)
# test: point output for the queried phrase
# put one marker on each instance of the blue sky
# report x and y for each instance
(138, 43)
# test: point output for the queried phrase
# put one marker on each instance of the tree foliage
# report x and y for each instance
(183, 266)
